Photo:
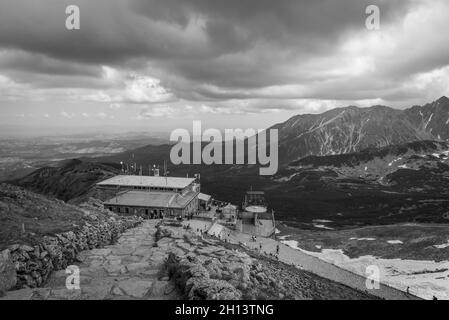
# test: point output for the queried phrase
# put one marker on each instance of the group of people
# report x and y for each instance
(254, 239)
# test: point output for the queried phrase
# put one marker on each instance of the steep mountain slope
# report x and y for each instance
(351, 129)
(432, 118)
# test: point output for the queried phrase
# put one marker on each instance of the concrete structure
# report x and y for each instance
(204, 200)
(229, 212)
(152, 196)
(255, 218)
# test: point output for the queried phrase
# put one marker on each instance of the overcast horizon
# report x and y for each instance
(157, 65)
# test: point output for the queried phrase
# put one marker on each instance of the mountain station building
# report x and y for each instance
(152, 196)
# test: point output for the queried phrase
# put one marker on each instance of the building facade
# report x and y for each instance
(152, 196)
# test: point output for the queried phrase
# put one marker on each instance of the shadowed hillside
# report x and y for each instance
(70, 180)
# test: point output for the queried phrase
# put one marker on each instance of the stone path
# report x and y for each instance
(307, 262)
(133, 268)
(129, 269)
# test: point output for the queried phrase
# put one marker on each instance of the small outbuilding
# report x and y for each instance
(204, 201)
(229, 212)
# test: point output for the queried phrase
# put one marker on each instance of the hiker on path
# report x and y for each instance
(277, 249)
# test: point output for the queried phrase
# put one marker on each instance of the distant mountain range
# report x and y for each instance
(349, 165)
(352, 129)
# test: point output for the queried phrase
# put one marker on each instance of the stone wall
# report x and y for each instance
(24, 265)
(201, 268)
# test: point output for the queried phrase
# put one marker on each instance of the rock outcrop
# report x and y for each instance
(351, 129)
(208, 269)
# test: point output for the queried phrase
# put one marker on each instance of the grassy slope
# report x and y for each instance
(39, 215)
(73, 179)
(418, 241)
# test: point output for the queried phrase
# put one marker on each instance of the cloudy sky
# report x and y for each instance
(153, 64)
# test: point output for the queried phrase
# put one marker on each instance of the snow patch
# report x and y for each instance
(423, 277)
(395, 242)
(322, 226)
(363, 239)
(442, 246)
(391, 163)
(428, 121)
(292, 243)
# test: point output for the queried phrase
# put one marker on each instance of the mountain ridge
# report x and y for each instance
(350, 129)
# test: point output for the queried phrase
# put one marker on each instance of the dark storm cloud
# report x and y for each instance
(205, 49)
(39, 63)
(113, 31)
(284, 21)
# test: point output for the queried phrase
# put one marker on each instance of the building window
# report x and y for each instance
(126, 210)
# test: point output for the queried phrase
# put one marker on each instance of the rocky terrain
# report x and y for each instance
(223, 271)
(352, 129)
(166, 261)
(420, 166)
(39, 235)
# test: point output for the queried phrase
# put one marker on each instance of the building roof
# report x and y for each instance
(230, 209)
(152, 199)
(147, 181)
(204, 197)
(256, 209)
